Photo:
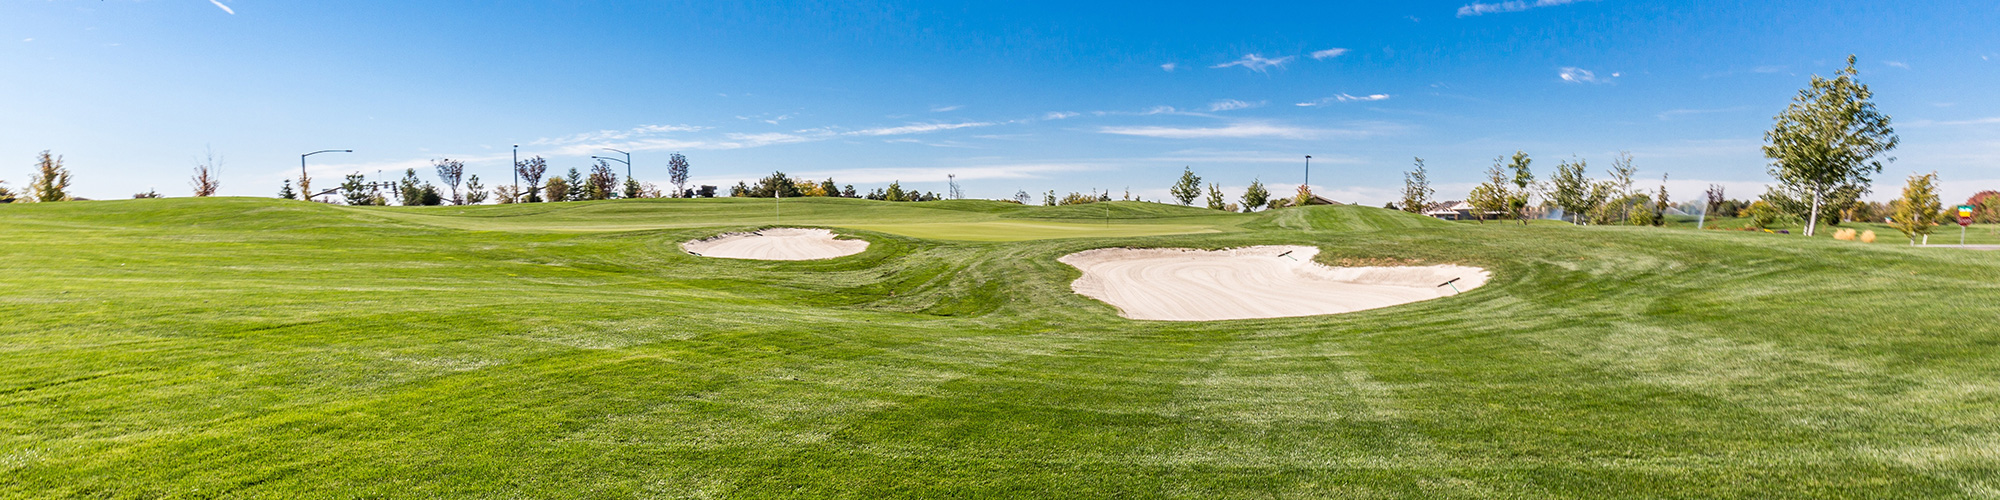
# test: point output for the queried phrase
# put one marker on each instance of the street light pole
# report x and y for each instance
(1309, 173)
(516, 167)
(627, 160)
(302, 165)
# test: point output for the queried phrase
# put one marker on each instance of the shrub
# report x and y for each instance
(1868, 236)
(1844, 235)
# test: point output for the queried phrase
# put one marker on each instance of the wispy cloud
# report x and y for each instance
(941, 109)
(1060, 115)
(1232, 104)
(225, 8)
(1245, 130)
(1480, 9)
(938, 173)
(615, 135)
(1170, 67)
(917, 128)
(1321, 55)
(1896, 64)
(1343, 98)
(1257, 63)
(1580, 75)
(27, 39)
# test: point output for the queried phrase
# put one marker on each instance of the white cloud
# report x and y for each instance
(1572, 74)
(1059, 115)
(615, 135)
(938, 173)
(1897, 64)
(1170, 67)
(1480, 9)
(1233, 131)
(1232, 104)
(1257, 63)
(27, 39)
(941, 109)
(1953, 123)
(1344, 98)
(225, 8)
(1322, 55)
(917, 128)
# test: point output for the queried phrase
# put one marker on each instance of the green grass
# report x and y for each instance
(248, 348)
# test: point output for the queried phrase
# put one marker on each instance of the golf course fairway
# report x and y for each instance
(256, 348)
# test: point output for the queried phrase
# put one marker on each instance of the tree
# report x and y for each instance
(1761, 214)
(50, 182)
(677, 172)
(556, 188)
(155, 194)
(1256, 196)
(1829, 138)
(1188, 188)
(1660, 203)
(6, 195)
(1570, 189)
(305, 186)
(1021, 196)
(1491, 197)
(1919, 208)
(895, 192)
(287, 192)
(1622, 174)
(531, 170)
(1417, 189)
(633, 189)
(1524, 182)
(410, 189)
(474, 193)
(451, 172)
(1215, 199)
(1711, 200)
(829, 187)
(848, 191)
(1049, 199)
(602, 184)
(355, 190)
(1985, 206)
(576, 185)
(206, 179)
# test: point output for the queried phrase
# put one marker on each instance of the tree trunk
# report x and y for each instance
(1813, 221)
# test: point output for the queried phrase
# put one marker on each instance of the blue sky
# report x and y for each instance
(1035, 96)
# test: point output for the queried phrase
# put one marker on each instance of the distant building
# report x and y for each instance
(1321, 200)
(1450, 210)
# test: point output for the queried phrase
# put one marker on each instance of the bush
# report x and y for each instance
(1868, 236)
(1844, 235)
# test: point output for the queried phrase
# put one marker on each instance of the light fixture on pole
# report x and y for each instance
(302, 166)
(627, 161)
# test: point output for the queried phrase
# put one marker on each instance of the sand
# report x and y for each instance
(1252, 282)
(776, 244)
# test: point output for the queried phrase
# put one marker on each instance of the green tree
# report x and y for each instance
(1829, 138)
(1417, 189)
(895, 192)
(1571, 189)
(6, 195)
(556, 188)
(633, 189)
(355, 190)
(1622, 173)
(1919, 208)
(1188, 188)
(451, 173)
(411, 188)
(1492, 196)
(287, 192)
(1518, 199)
(1256, 196)
(576, 186)
(1215, 199)
(531, 170)
(474, 193)
(51, 180)
(1761, 214)
(602, 182)
(1660, 203)
(1049, 198)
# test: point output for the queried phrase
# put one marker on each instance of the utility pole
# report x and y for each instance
(1309, 173)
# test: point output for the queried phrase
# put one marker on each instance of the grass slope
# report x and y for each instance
(268, 349)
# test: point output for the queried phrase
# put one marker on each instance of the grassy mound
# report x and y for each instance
(259, 348)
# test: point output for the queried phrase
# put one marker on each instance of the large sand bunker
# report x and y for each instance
(776, 244)
(1252, 282)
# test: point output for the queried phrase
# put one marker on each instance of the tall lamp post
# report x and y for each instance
(1309, 173)
(516, 167)
(302, 164)
(627, 161)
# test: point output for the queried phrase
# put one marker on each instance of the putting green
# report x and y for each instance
(1030, 230)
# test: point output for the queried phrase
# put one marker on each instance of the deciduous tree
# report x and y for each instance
(531, 170)
(1255, 196)
(1919, 208)
(1829, 138)
(451, 173)
(677, 172)
(474, 193)
(1570, 189)
(51, 180)
(1417, 189)
(1188, 188)
(207, 172)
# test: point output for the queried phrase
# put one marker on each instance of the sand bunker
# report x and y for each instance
(1252, 282)
(776, 244)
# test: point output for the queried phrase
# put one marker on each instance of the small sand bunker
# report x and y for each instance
(776, 244)
(1252, 282)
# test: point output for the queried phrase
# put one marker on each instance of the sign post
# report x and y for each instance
(1964, 220)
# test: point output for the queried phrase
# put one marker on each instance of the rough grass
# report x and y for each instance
(269, 349)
